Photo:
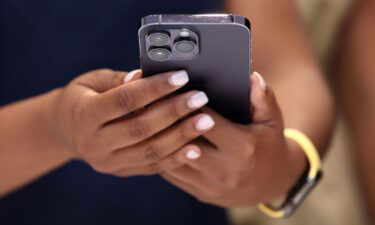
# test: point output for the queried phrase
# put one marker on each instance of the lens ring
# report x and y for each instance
(185, 46)
(159, 39)
(159, 54)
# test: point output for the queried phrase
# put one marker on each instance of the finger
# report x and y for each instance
(204, 162)
(264, 104)
(212, 163)
(225, 132)
(163, 144)
(133, 95)
(180, 158)
(188, 153)
(133, 75)
(153, 119)
(101, 80)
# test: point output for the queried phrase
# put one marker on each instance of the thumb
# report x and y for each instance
(264, 105)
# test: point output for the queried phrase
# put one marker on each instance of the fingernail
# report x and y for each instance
(179, 78)
(128, 77)
(197, 100)
(204, 123)
(261, 80)
(193, 154)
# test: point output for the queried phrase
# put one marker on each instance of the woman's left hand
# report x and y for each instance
(242, 165)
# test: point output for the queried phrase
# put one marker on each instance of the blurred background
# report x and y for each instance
(337, 200)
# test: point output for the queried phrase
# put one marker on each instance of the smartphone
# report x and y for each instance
(215, 51)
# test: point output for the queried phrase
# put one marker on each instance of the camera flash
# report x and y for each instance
(184, 33)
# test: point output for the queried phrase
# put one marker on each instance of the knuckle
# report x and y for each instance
(139, 130)
(126, 100)
(249, 152)
(175, 111)
(153, 153)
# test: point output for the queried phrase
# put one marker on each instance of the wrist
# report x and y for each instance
(290, 168)
(52, 129)
(297, 162)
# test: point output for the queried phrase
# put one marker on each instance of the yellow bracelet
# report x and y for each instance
(313, 175)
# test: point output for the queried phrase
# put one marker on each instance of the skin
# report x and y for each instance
(232, 171)
(356, 92)
(85, 121)
(234, 165)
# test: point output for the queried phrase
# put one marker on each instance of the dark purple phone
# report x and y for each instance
(214, 49)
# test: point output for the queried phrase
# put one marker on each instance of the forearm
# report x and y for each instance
(28, 147)
(282, 55)
(356, 91)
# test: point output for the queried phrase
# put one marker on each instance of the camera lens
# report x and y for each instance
(159, 39)
(185, 46)
(160, 54)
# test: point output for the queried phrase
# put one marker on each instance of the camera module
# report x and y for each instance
(185, 46)
(159, 39)
(160, 54)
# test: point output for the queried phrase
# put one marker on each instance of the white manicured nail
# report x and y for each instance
(179, 78)
(261, 80)
(128, 77)
(192, 154)
(197, 100)
(204, 123)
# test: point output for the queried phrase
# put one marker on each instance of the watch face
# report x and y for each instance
(295, 197)
(299, 193)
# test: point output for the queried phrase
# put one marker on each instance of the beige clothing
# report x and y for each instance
(337, 200)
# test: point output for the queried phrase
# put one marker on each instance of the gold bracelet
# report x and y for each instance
(305, 185)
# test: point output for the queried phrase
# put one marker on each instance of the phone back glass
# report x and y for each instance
(221, 68)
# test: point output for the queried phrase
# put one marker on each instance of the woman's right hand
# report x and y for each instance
(97, 118)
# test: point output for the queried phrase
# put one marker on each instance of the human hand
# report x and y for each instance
(243, 165)
(98, 118)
